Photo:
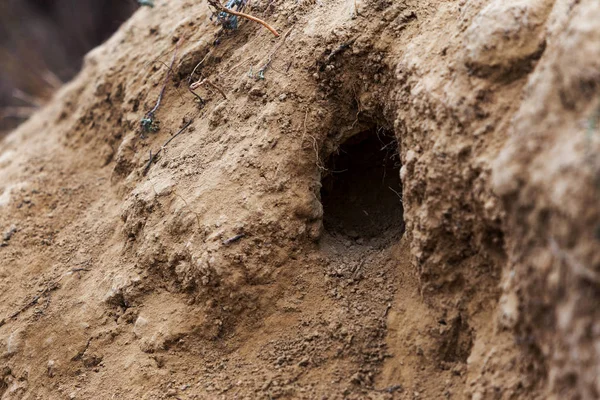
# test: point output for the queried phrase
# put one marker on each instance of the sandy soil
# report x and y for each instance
(392, 200)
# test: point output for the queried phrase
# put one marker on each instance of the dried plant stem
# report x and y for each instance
(205, 81)
(153, 156)
(217, 5)
(167, 76)
(191, 77)
(275, 49)
(148, 123)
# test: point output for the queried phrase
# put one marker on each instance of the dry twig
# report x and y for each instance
(219, 7)
(205, 81)
(341, 48)
(262, 69)
(147, 123)
(191, 77)
(47, 290)
(316, 149)
(233, 239)
(153, 156)
(397, 194)
(315, 146)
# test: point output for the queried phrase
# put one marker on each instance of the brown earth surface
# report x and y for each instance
(392, 200)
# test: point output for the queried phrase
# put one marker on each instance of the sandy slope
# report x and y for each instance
(262, 255)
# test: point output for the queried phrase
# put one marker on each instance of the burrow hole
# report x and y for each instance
(361, 187)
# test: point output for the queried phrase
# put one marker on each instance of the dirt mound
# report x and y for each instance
(389, 200)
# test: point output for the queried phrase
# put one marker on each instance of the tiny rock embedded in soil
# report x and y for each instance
(390, 200)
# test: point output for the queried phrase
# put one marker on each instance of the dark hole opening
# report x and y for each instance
(361, 188)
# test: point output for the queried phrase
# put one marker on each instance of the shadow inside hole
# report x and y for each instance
(361, 188)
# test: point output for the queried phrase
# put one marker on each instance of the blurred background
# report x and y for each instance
(42, 44)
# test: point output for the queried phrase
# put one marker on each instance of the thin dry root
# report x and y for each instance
(216, 4)
(196, 85)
